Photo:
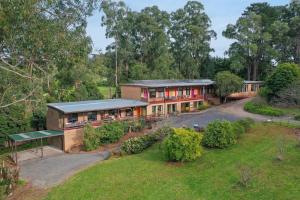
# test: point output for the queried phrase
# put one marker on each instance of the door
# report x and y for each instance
(138, 111)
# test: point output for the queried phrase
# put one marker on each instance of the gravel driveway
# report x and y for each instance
(53, 170)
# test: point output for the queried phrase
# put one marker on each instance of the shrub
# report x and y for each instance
(219, 134)
(238, 128)
(246, 123)
(241, 126)
(183, 145)
(110, 133)
(137, 125)
(91, 139)
(283, 75)
(203, 106)
(9, 177)
(138, 144)
(263, 109)
(297, 117)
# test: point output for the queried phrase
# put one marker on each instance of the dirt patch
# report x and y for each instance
(174, 164)
(28, 192)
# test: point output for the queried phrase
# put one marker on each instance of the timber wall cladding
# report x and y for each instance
(73, 138)
(53, 119)
(130, 92)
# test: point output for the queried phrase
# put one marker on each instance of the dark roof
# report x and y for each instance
(170, 83)
(94, 105)
(34, 135)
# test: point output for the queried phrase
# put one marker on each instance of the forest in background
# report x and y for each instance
(45, 53)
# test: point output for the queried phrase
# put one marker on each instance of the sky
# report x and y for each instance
(221, 13)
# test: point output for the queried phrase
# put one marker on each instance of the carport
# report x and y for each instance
(37, 136)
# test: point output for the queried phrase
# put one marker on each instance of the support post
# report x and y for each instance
(16, 153)
(42, 151)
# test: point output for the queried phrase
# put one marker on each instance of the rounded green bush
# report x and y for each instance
(219, 134)
(183, 145)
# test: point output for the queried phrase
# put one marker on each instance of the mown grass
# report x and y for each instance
(105, 91)
(214, 176)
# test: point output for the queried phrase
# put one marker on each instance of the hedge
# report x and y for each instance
(263, 109)
(138, 144)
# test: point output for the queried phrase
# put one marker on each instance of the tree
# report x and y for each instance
(227, 83)
(42, 45)
(190, 38)
(115, 12)
(253, 47)
(284, 75)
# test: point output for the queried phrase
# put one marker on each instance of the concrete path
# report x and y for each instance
(53, 170)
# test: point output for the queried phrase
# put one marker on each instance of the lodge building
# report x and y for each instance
(144, 98)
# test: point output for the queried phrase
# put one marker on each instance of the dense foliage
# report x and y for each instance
(183, 145)
(242, 126)
(9, 177)
(219, 134)
(138, 144)
(227, 83)
(284, 75)
(288, 97)
(264, 34)
(91, 139)
(262, 108)
(109, 133)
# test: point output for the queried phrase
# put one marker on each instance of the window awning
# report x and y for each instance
(21, 137)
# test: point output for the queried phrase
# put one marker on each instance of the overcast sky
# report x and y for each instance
(221, 13)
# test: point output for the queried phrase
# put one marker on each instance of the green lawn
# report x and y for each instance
(214, 176)
(106, 91)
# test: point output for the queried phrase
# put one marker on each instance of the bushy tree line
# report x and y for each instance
(43, 58)
(264, 34)
(155, 44)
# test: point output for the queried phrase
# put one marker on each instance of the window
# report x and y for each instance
(161, 92)
(153, 109)
(180, 92)
(92, 116)
(188, 91)
(72, 118)
(152, 93)
(159, 108)
(129, 112)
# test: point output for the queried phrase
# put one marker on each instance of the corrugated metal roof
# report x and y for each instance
(86, 106)
(249, 82)
(35, 135)
(170, 83)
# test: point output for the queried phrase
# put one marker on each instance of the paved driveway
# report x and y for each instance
(53, 170)
(202, 119)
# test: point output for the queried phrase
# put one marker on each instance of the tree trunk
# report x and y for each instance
(297, 53)
(255, 68)
(127, 69)
(116, 72)
(249, 73)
